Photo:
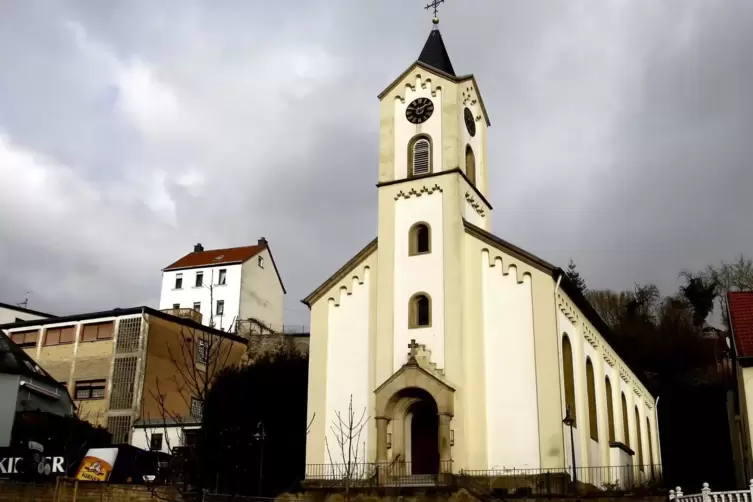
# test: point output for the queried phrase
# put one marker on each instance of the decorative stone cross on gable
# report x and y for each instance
(413, 346)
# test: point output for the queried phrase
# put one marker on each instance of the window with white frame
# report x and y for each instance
(155, 442)
(178, 281)
(223, 277)
(202, 352)
(196, 408)
(220, 307)
(197, 306)
(199, 279)
(176, 306)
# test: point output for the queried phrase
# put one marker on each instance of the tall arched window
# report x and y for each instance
(419, 155)
(610, 407)
(593, 424)
(568, 375)
(470, 164)
(419, 239)
(650, 446)
(625, 423)
(640, 439)
(419, 311)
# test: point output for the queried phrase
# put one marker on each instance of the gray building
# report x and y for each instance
(14, 313)
(25, 386)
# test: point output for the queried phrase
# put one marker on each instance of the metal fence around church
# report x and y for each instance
(495, 482)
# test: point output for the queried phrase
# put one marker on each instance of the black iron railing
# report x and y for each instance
(560, 481)
(380, 474)
(487, 483)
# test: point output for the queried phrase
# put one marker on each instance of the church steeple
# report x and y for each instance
(434, 53)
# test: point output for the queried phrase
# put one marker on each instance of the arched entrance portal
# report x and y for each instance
(423, 438)
(414, 410)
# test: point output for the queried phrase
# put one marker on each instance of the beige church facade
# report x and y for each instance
(462, 350)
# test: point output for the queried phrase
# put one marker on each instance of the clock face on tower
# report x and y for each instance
(470, 122)
(419, 111)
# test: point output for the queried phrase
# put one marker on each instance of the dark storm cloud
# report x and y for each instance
(131, 130)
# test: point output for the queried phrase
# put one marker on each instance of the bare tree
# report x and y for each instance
(348, 457)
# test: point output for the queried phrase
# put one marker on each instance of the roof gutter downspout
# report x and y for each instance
(559, 359)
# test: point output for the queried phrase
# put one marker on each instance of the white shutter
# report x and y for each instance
(421, 152)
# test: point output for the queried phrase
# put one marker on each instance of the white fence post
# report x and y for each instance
(678, 493)
(705, 491)
(750, 495)
(671, 494)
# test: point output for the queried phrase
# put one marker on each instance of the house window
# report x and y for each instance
(220, 307)
(97, 331)
(593, 425)
(419, 239)
(625, 424)
(202, 352)
(568, 375)
(470, 165)
(178, 281)
(260, 261)
(196, 408)
(89, 389)
(223, 277)
(419, 156)
(155, 442)
(199, 279)
(197, 306)
(176, 306)
(610, 407)
(419, 311)
(60, 336)
(25, 338)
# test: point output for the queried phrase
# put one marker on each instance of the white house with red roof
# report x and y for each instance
(229, 287)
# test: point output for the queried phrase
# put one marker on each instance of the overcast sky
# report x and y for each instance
(622, 135)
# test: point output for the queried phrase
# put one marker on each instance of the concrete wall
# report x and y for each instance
(8, 403)
(11, 315)
(170, 354)
(261, 295)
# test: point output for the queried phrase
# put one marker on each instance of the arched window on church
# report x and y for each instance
(625, 423)
(650, 446)
(610, 407)
(568, 375)
(593, 425)
(419, 155)
(470, 164)
(639, 444)
(419, 311)
(419, 239)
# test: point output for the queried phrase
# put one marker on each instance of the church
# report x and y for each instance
(457, 350)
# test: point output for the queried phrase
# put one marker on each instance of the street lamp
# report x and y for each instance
(570, 422)
(259, 436)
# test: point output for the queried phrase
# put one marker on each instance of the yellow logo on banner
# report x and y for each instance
(94, 468)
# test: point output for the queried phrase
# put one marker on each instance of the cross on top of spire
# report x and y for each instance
(435, 5)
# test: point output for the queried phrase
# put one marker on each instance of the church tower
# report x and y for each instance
(433, 176)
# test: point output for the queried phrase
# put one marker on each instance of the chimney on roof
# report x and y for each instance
(262, 241)
(198, 248)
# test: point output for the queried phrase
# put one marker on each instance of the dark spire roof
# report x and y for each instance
(435, 54)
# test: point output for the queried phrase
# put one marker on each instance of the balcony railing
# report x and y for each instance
(192, 314)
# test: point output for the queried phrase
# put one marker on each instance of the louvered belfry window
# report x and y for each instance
(421, 154)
